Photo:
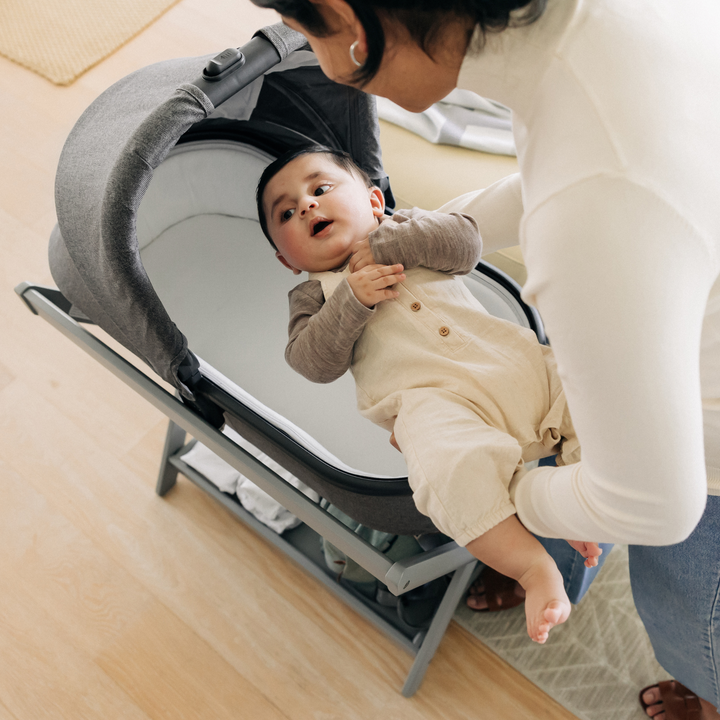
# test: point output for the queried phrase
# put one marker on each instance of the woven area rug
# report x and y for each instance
(61, 39)
(595, 664)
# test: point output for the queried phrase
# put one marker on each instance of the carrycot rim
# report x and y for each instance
(342, 479)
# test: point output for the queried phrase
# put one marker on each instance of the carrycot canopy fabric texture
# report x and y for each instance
(104, 170)
(108, 163)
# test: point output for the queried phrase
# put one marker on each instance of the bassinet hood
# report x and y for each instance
(109, 158)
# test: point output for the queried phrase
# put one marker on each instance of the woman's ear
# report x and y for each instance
(377, 200)
(287, 264)
(342, 18)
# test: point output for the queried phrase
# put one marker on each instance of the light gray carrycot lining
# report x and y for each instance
(217, 276)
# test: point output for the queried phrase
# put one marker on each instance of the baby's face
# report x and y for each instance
(316, 211)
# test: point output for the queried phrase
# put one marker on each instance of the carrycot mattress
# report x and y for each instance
(218, 278)
(220, 282)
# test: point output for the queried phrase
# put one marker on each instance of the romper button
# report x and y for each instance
(444, 331)
(415, 306)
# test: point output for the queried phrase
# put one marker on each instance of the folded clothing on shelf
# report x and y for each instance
(229, 480)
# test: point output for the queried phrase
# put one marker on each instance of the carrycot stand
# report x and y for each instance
(423, 645)
(400, 577)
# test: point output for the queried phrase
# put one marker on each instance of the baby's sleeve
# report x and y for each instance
(322, 334)
(448, 242)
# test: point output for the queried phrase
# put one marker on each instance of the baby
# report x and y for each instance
(467, 397)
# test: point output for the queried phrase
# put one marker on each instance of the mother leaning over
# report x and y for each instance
(616, 117)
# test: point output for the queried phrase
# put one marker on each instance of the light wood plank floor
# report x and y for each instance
(115, 603)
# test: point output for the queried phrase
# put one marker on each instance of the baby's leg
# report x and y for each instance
(458, 468)
(511, 550)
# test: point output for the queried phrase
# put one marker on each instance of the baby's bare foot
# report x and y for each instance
(555, 613)
(546, 603)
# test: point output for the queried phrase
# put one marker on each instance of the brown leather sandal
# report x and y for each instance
(679, 703)
(499, 591)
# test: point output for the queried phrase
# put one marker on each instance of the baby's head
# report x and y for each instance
(314, 204)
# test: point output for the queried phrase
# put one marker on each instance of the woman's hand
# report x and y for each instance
(361, 255)
(372, 284)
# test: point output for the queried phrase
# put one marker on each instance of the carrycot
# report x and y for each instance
(158, 245)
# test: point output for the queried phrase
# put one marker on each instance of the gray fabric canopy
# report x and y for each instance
(108, 162)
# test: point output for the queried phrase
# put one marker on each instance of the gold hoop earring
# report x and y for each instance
(353, 48)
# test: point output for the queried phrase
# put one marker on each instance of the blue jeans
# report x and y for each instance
(676, 591)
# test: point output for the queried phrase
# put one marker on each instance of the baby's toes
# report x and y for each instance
(556, 612)
(541, 633)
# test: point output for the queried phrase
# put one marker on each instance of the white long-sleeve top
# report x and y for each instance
(616, 117)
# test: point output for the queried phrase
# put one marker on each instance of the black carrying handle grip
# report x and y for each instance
(233, 69)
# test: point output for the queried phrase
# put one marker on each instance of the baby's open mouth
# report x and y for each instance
(320, 226)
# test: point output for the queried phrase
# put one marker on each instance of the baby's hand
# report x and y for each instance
(372, 284)
(361, 255)
(589, 550)
(394, 442)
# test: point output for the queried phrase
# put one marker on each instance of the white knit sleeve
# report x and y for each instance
(497, 210)
(621, 280)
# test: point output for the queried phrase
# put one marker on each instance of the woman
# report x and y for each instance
(616, 116)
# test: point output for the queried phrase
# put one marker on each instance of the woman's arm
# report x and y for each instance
(621, 280)
(450, 243)
(497, 210)
(322, 334)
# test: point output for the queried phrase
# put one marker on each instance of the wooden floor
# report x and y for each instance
(115, 603)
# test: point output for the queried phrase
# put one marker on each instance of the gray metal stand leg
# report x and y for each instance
(460, 582)
(174, 440)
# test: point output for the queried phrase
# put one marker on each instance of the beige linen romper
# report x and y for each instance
(469, 396)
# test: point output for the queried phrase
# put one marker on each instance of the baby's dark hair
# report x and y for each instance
(340, 158)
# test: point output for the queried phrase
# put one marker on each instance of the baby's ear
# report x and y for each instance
(377, 200)
(287, 264)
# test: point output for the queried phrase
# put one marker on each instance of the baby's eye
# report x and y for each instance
(287, 214)
(321, 190)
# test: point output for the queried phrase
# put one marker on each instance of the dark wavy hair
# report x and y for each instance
(424, 20)
(341, 159)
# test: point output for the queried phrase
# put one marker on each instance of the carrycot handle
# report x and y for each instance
(237, 69)
(223, 63)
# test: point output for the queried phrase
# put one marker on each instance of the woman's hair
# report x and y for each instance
(340, 158)
(424, 20)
